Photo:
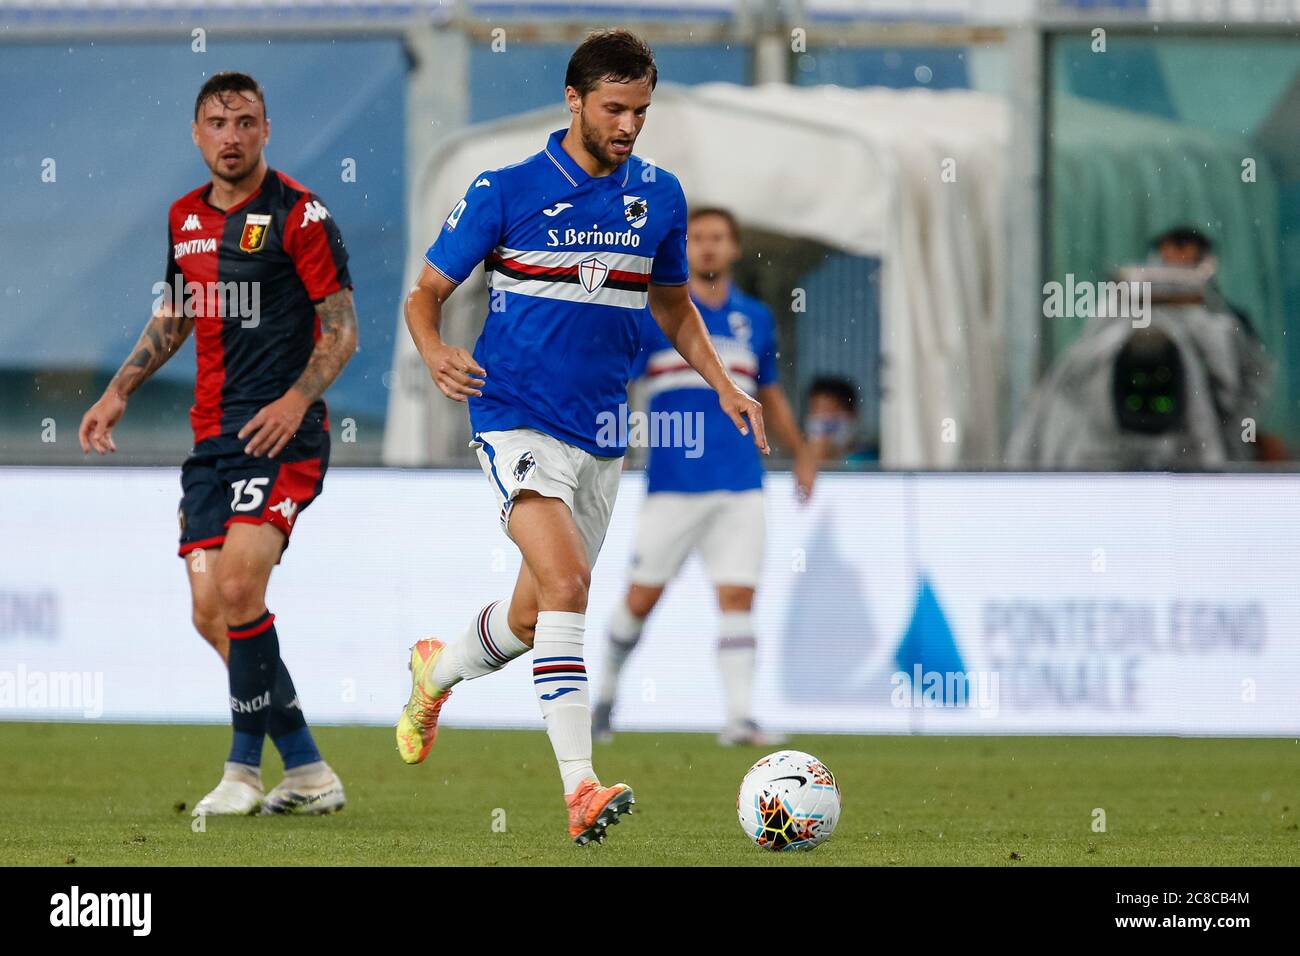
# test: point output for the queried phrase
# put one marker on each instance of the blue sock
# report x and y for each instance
(297, 748)
(246, 748)
(287, 724)
(254, 663)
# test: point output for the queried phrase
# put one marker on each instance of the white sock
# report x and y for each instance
(624, 633)
(736, 663)
(560, 682)
(485, 647)
(243, 772)
(316, 772)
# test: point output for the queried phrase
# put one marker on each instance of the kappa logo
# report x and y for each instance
(191, 223)
(592, 273)
(635, 211)
(558, 208)
(524, 466)
(482, 182)
(313, 212)
(286, 509)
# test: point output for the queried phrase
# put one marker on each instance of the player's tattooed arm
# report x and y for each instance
(271, 428)
(682, 323)
(162, 336)
(159, 341)
(336, 345)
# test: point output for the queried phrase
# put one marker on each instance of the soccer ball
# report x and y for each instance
(789, 800)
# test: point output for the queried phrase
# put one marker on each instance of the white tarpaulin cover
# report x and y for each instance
(914, 177)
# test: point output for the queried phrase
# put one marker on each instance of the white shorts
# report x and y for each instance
(524, 459)
(726, 526)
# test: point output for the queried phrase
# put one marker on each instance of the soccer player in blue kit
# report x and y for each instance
(709, 498)
(577, 240)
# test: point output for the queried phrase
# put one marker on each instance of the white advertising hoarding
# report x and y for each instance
(890, 603)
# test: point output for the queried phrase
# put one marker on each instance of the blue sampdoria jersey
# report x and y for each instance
(569, 260)
(744, 334)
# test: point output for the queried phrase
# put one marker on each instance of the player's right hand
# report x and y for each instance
(97, 424)
(456, 373)
(805, 474)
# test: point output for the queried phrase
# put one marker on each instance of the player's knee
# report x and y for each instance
(567, 591)
(240, 596)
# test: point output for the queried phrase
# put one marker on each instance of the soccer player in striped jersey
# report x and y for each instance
(708, 498)
(256, 268)
(577, 240)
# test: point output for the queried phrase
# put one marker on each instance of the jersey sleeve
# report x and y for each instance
(767, 365)
(670, 258)
(471, 230)
(171, 270)
(314, 243)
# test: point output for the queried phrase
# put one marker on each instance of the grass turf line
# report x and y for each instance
(104, 794)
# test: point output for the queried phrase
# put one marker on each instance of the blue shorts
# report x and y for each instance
(221, 485)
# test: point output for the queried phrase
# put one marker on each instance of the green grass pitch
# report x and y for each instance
(91, 794)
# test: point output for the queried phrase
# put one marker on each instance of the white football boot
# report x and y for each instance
(237, 795)
(311, 789)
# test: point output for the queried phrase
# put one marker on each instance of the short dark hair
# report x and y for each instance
(1184, 236)
(228, 81)
(716, 211)
(614, 55)
(840, 389)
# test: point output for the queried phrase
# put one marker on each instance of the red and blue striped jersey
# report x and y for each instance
(251, 277)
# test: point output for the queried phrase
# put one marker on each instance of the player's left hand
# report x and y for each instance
(739, 406)
(271, 428)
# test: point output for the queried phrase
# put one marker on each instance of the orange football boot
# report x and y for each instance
(592, 808)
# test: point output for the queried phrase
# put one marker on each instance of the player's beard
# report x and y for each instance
(240, 173)
(592, 144)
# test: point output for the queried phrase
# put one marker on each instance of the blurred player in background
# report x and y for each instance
(257, 268)
(577, 240)
(709, 497)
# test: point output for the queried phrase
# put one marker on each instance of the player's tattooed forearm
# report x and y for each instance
(162, 336)
(337, 342)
